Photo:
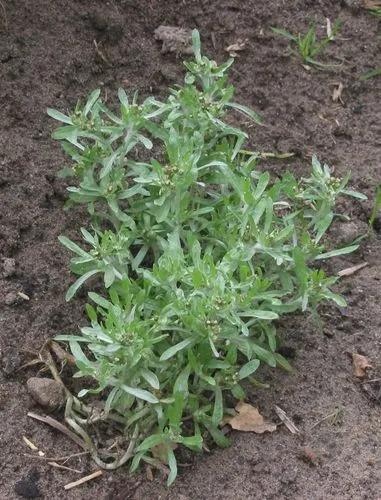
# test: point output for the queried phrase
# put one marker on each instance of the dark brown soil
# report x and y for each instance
(47, 58)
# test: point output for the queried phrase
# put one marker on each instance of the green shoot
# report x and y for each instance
(307, 46)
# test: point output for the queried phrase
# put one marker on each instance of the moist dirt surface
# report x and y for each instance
(48, 58)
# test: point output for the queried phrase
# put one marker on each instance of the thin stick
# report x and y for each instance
(29, 443)
(58, 466)
(60, 427)
(58, 459)
(322, 419)
(95, 474)
(5, 16)
(100, 53)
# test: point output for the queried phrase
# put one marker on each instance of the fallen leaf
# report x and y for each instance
(360, 364)
(351, 270)
(337, 91)
(236, 47)
(61, 354)
(286, 420)
(248, 419)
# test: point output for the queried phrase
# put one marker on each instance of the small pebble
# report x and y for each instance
(11, 298)
(8, 267)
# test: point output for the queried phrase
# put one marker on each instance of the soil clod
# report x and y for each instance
(46, 392)
(27, 487)
(178, 40)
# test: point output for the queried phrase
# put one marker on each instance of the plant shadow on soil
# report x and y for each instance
(48, 58)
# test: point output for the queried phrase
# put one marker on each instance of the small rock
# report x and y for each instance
(46, 392)
(11, 299)
(168, 73)
(329, 332)
(8, 267)
(27, 487)
(345, 233)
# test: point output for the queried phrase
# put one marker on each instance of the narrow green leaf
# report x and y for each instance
(91, 101)
(140, 394)
(172, 463)
(248, 368)
(218, 411)
(246, 111)
(57, 115)
(337, 252)
(175, 349)
(72, 290)
(150, 442)
(72, 246)
(151, 378)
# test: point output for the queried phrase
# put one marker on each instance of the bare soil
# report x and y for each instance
(48, 58)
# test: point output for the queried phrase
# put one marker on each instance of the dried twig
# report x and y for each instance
(286, 420)
(351, 270)
(59, 466)
(95, 474)
(58, 459)
(29, 443)
(100, 53)
(60, 427)
(331, 415)
(4, 16)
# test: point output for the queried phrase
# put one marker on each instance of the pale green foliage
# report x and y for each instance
(307, 46)
(199, 253)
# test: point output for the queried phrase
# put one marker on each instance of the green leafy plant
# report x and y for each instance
(307, 46)
(199, 253)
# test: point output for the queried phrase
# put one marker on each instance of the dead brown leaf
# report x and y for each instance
(61, 354)
(248, 419)
(360, 365)
(351, 270)
(337, 91)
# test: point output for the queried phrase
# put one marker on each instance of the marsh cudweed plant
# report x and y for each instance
(199, 254)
